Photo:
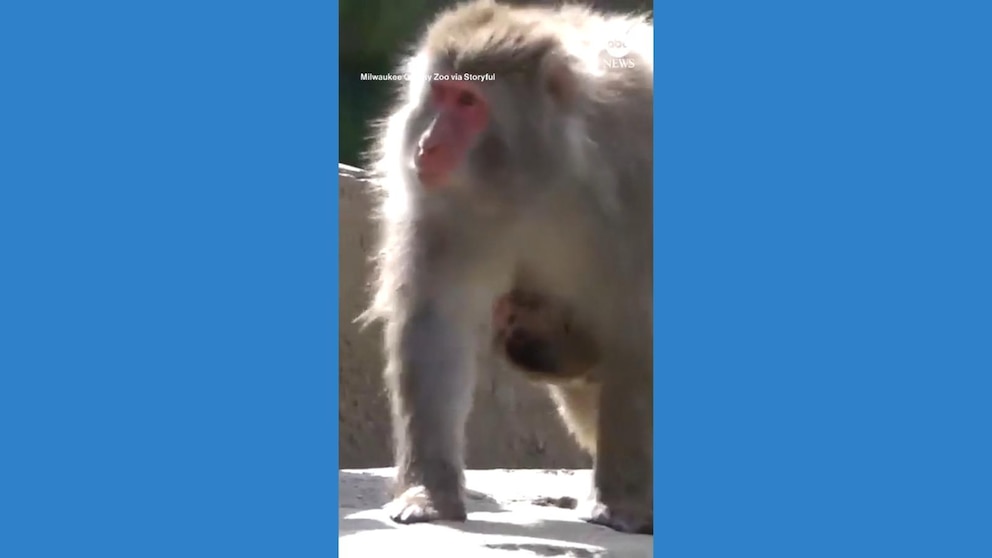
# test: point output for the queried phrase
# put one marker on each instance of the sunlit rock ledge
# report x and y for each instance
(501, 520)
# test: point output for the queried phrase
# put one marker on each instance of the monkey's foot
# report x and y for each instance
(623, 518)
(419, 505)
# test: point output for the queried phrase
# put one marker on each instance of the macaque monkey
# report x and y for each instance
(518, 159)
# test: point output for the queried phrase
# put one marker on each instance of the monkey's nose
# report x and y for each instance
(426, 150)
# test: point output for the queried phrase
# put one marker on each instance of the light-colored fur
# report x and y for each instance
(556, 197)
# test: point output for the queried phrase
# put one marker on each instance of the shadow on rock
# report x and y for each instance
(550, 550)
(363, 490)
(572, 532)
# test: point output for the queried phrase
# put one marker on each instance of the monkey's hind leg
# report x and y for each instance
(623, 469)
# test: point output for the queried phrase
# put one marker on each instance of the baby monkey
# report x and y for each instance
(540, 338)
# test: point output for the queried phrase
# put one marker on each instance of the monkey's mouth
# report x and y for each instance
(432, 180)
(428, 178)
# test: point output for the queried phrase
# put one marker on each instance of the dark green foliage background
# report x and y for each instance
(375, 34)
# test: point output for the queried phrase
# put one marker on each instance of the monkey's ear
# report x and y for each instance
(559, 79)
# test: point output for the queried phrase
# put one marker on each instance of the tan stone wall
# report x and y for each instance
(513, 425)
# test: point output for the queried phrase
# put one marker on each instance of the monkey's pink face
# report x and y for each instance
(461, 115)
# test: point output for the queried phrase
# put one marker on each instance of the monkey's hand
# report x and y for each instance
(626, 517)
(419, 505)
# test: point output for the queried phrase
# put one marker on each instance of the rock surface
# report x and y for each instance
(501, 520)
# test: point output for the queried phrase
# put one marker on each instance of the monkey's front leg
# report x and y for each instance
(430, 373)
(623, 470)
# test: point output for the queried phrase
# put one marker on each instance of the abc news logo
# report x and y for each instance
(618, 50)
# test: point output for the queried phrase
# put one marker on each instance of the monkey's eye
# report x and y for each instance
(466, 99)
